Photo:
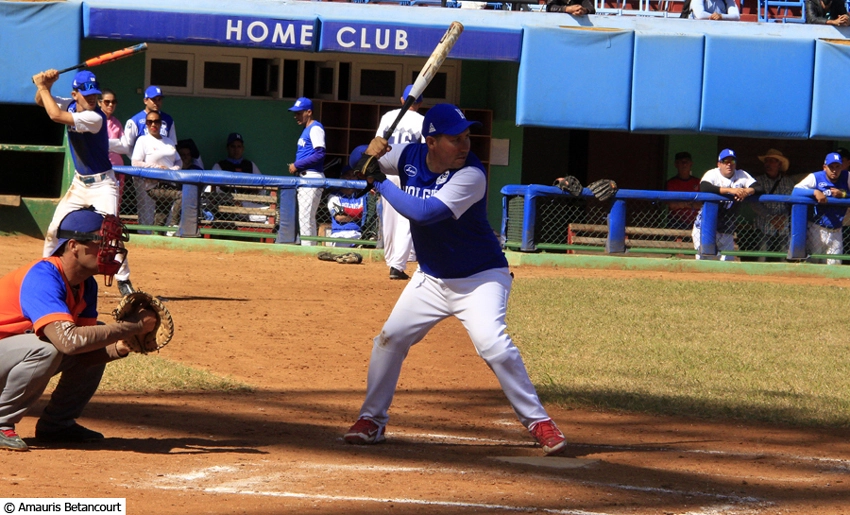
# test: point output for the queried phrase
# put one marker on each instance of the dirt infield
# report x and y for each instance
(300, 330)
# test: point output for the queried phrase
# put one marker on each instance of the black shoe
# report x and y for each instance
(73, 434)
(125, 287)
(395, 273)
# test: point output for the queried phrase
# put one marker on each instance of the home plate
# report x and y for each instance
(543, 461)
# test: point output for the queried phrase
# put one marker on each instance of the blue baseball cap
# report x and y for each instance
(153, 91)
(727, 152)
(81, 225)
(831, 158)
(445, 119)
(86, 83)
(407, 94)
(356, 154)
(234, 136)
(302, 104)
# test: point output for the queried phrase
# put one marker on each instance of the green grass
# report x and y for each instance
(743, 350)
(141, 374)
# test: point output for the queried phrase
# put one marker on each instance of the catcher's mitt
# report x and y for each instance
(569, 184)
(603, 189)
(351, 258)
(162, 332)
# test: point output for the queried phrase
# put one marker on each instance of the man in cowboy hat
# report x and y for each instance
(772, 217)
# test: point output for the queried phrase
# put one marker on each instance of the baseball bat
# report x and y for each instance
(108, 57)
(441, 51)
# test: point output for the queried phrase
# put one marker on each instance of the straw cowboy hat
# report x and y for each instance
(775, 154)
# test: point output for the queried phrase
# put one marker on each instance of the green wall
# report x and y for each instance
(703, 150)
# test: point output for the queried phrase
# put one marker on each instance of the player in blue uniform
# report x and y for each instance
(94, 181)
(310, 164)
(462, 272)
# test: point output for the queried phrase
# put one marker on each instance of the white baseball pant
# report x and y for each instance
(723, 241)
(308, 204)
(395, 229)
(824, 241)
(480, 303)
(102, 194)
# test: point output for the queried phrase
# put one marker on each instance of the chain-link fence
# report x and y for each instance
(561, 223)
(228, 211)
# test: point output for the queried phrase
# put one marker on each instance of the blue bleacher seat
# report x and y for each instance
(782, 11)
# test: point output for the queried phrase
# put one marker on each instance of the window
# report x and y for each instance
(173, 72)
(287, 75)
(222, 75)
(373, 82)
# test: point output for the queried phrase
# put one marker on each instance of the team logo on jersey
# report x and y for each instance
(443, 178)
(410, 170)
(301, 142)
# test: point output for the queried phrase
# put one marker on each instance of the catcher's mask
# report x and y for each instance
(89, 225)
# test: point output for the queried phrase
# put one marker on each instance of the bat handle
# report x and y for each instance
(83, 65)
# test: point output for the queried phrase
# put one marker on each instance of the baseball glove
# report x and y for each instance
(569, 184)
(603, 189)
(162, 332)
(351, 258)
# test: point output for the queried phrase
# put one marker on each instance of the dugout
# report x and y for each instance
(593, 96)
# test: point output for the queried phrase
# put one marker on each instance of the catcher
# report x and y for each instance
(48, 325)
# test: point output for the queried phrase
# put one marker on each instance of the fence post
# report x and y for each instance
(799, 226)
(708, 228)
(616, 242)
(190, 201)
(529, 221)
(287, 209)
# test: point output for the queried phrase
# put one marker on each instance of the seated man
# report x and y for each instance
(48, 325)
(574, 7)
(236, 162)
(830, 12)
(348, 211)
(715, 10)
(824, 234)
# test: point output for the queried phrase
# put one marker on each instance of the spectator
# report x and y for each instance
(188, 152)
(772, 217)
(237, 163)
(726, 179)
(309, 164)
(153, 150)
(108, 103)
(574, 7)
(48, 325)
(133, 129)
(715, 10)
(348, 211)
(395, 229)
(832, 12)
(682, 214)
(94, 181)
(824, 235)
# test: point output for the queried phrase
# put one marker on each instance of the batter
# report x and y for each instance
(94, 181)
(462, 272)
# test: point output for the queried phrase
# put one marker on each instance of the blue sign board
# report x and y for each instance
(416, 40)
(198, 28)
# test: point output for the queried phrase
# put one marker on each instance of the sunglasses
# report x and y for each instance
(109, 102)
(728, 161)
(88, 86)
(153, 122)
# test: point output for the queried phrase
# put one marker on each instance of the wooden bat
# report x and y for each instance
(108, 57)
(441, 51)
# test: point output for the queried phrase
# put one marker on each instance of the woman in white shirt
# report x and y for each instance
(153, 150)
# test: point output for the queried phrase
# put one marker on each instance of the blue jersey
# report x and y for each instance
(305, 154)
(831, 217)
(89, 150)
(455, 247)
(166, 131)
(353, 207)
(38, 294)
